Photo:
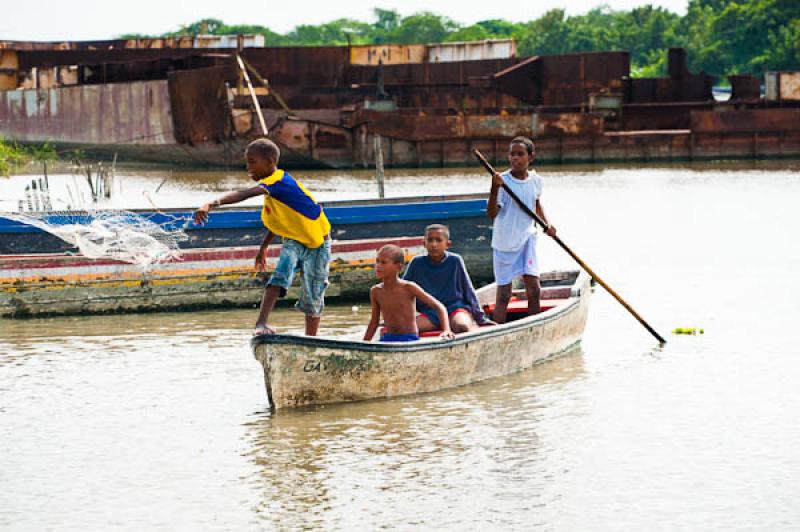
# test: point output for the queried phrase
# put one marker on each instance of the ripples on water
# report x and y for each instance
(440, 460)
(159, 422)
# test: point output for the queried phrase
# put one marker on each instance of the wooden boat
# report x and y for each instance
(59, 284)
(39, 276)
(302, 370)
(242, 226)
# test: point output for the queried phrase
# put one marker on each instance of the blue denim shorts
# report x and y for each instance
(314, 264)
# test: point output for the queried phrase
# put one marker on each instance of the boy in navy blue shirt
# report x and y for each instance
(443, 275)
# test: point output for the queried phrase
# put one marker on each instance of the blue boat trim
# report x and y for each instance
(337, 215)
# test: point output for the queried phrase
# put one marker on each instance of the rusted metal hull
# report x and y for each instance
(159, 121)
(135, 114)
(301, 371)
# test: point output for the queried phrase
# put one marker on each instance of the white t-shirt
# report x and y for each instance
(512, 226)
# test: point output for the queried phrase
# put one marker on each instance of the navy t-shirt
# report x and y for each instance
(446, 281)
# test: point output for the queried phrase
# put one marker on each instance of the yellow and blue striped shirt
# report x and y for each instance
(291, 212)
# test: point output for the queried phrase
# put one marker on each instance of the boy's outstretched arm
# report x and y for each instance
(374, 319)
(551, 229)
(201, 214)
(432, 302)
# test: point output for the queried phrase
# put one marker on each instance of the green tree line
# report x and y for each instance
(721, 36)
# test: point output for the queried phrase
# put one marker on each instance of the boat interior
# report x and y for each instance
(556, 289)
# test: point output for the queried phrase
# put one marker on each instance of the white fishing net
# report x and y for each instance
(120, 235)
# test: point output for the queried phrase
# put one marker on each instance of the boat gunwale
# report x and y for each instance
(576, 296)
(371, 202)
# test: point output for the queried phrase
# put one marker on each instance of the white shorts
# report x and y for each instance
(510, 264)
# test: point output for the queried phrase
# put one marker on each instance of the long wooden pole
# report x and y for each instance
(571, 253)
(252, 94)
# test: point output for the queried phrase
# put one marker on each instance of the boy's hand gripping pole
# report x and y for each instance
(566, 248)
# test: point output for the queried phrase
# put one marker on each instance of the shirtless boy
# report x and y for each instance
(395, 299)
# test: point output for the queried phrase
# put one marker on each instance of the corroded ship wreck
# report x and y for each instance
(185, 100)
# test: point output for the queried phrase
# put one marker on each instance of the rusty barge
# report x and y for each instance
(183, 100)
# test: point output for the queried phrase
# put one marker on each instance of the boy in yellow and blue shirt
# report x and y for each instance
(290, 212)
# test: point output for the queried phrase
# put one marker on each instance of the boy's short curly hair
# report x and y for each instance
(395, 253)
(264, 148)
(525, 141)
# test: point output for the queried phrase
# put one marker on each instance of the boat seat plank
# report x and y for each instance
(520, 306)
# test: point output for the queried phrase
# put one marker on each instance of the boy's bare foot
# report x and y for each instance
(263, 328)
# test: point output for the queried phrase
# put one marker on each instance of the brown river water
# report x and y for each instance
(160, 421)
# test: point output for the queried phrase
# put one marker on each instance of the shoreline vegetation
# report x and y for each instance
(720, 36)
(13, 156)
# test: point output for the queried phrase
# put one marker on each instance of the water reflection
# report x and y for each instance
(414, 461)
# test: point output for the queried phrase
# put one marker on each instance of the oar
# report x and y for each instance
(566, 248)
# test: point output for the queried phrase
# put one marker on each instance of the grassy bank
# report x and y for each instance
(13, 155)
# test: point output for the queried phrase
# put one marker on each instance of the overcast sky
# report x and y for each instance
(106, 19)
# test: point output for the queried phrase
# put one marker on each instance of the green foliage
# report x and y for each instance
(423, 28)
(486, 29)
(386, 24)
(337, 32)
(721, 36)
(13, 155)
(753, 36)
(546, 35)
(206, 26)
(10, 155)
(42, 153)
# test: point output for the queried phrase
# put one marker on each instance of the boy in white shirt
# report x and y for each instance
(514, 232)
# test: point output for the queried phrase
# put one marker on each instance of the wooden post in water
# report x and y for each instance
(240, 77)
(378, 149)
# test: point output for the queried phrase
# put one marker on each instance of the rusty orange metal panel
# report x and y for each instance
(659, 115)
(169, 42)
(471, 51)
(9, 59)
(745, 87)
(387, 54)
(563, 80)
(789, 86)
(522, 80)
(9, 69)
(566, 124)
(122, 113)
(314, 66)
(91, 56)
(197, 99)
(752, 120)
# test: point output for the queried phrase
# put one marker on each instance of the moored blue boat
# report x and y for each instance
(40, 274)
(241, 226)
